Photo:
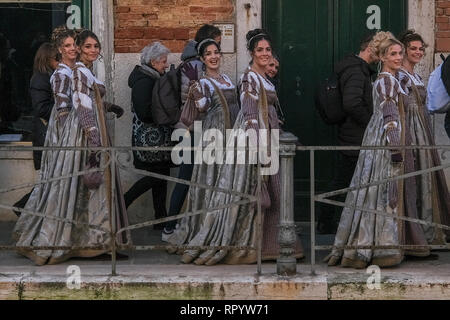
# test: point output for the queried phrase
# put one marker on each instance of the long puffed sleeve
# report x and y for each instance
(83, 104)
(388, 90)
(198, 101)
(249, 89)
(61, 86)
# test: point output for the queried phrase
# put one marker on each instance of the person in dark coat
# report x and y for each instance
(41, 95)
(272, 74)
(355, 80)
(141, 81)
(45, 62)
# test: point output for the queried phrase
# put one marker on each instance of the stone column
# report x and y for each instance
(286, 263)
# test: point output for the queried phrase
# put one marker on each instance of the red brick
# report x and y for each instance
(123, 42)
(181, 33)
(443, 4)
(129, 33)
(150, 16)
(122, 9)
(138, 22)
(218, 10)
(443, 26)
(166, 34)
(441, 19)
(175, 45)
(151, 33)
(195, 9)
(132, 23)
(443, 34)
(443, 44)
(121, 49)
(142, 9)
(439, 12)
(129, 16)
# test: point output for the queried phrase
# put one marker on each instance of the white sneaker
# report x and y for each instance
(166, 234)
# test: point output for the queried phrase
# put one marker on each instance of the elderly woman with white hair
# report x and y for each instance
(141, 81)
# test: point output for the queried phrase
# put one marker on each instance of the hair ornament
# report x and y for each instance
(203, 42)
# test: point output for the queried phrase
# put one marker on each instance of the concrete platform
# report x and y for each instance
(158, 275)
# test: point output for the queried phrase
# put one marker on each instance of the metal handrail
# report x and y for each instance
(114, 162)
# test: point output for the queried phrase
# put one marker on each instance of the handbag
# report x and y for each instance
(152, 135)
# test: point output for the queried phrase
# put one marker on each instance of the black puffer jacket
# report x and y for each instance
(141, 84)
(355, 79)
(42, 102)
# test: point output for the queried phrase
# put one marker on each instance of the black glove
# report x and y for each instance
(116, 109)
(93, 161)
(189, 71)
(396, 157)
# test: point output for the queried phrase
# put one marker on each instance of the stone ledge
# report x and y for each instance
(174, 284)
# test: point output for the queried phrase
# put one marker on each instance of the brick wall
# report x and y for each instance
(443, 26)
(173, 22)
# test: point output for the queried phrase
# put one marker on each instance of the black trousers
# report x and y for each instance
(159, 192)
(328, 215)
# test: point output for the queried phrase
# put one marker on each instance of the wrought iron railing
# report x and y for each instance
(286, 263)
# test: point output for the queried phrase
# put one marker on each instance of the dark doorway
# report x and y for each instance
(310, 37)
(24, 27)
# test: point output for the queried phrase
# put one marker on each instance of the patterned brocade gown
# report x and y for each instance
(431, 192)
(78, 106)
(357, 227)
(236, 225)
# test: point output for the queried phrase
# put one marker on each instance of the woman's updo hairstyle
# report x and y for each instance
(254, 36)
(381, 42)
(202, 45)
(59, 35)
(408, 36)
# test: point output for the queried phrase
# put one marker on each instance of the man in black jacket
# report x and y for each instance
(355, 80)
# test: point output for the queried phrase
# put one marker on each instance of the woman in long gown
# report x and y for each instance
(386, 128)
(77, 120)
(212, 99)
(431, 192)
(237, 225)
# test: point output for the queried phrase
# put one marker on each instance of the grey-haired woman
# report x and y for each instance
(141, 81)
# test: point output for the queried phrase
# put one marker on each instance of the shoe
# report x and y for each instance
(166, 233)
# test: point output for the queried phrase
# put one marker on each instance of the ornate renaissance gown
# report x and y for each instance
(78, 106)
(357, 227)
(237, 225)
(432, 196)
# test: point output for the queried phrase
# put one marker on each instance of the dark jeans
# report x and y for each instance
(159, 192)
(180, 191)
(328, 215)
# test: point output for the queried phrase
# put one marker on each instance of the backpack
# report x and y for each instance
(438, 89)
(166, 97)
(445, 72)
(328, 100)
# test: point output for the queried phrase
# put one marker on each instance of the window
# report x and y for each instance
(24, 27)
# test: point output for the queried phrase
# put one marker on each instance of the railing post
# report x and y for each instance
(286, 263)
(112, 154)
